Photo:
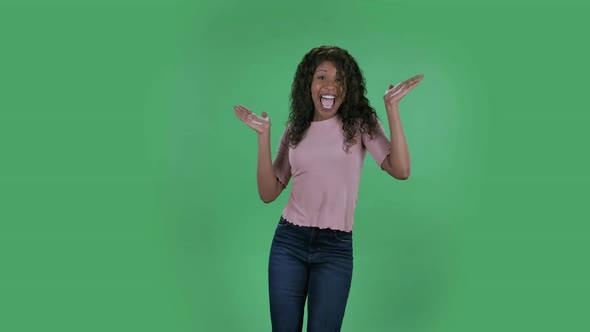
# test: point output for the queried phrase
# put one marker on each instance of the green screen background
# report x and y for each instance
(128, 195)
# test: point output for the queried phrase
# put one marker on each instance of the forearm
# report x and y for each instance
(399, 157)
(269, 187)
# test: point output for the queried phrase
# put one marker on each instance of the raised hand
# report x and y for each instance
(260, 124)
(394, 94)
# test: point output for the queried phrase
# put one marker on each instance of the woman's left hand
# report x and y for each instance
(395, 93)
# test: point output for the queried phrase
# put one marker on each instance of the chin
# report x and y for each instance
(324, 113)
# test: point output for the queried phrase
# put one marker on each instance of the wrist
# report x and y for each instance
(392, 109)
(264, 136)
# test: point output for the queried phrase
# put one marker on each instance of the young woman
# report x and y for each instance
(331, 127)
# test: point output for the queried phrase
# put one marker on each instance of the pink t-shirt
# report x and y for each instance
(326, 177)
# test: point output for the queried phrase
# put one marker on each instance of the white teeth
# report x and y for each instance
(328, 96)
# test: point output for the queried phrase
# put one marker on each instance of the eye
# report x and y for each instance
(321, 77)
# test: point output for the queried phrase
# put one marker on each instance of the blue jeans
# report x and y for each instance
(313, 264)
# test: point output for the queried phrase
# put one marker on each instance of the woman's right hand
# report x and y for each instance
(260, 124)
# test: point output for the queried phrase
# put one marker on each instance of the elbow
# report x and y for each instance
(270, 194)
(266, 199)
(399, 172)
(402, 175)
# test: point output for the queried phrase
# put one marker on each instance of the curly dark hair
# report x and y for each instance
(357, 115)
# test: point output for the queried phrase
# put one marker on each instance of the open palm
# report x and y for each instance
(394, 94)
(260, 124)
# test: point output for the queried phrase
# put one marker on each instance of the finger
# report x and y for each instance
(255, 119)
(265, 117)
(240, 112)
(244, 117)
(414, 83)
(416, 77)
(244, 110)
(251, 114)
(391, 90)
(398, 94)
(248, 116)
(414, 80)
(251, 121)
(411, 80)
(255, 116)
(395, 90)
(404, 89)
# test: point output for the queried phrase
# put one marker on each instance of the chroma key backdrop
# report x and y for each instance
(128, 197)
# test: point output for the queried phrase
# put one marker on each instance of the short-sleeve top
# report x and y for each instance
(325, 177)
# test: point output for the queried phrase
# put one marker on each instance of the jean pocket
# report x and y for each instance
(343, 236)
(283, 222)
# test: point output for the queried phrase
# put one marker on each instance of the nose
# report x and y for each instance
(330, 85)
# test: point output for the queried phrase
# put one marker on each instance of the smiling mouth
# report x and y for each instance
(327, 101)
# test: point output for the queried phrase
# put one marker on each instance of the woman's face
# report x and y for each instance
(327, 91)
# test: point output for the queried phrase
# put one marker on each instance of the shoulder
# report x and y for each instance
(372, 129)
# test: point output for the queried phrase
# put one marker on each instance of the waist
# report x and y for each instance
(311, 228)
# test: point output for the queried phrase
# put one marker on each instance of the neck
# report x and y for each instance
(319, 117)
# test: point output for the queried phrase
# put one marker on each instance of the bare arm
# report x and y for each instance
(398, 162)
(269, 187)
